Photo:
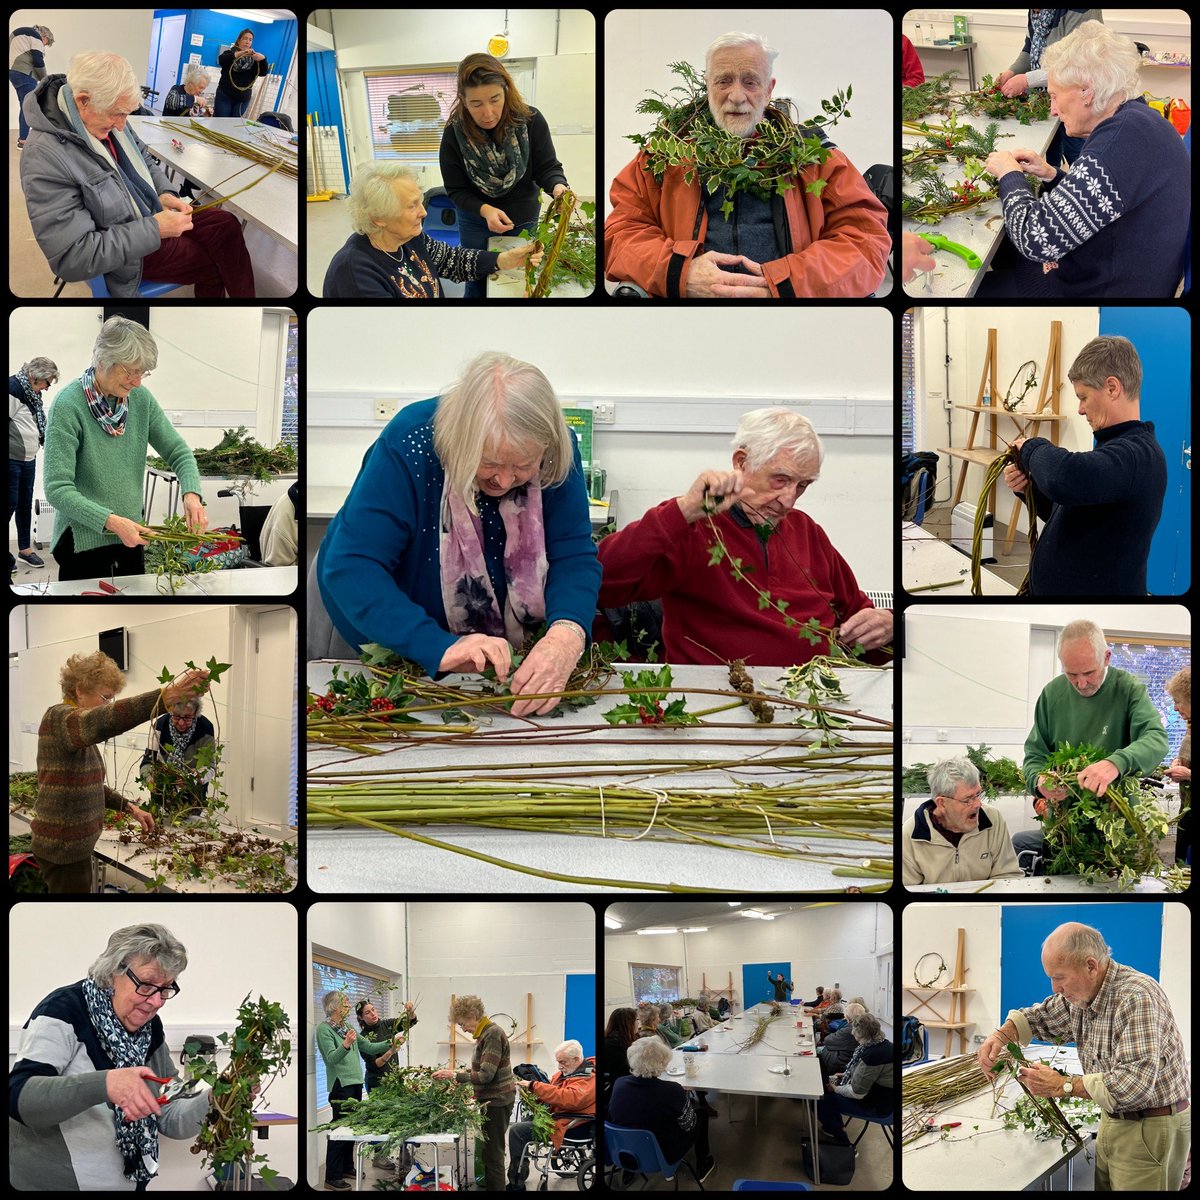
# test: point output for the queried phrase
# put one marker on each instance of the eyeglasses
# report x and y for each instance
(130, 376)
(168, 991)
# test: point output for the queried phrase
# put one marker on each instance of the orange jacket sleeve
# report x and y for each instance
(575, 1094)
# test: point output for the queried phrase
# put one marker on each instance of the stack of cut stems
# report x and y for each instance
(279, 157)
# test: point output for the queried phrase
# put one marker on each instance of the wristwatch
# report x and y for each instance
(1068, 1087)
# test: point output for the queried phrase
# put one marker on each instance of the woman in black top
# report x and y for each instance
(241, 67)
(619, 1034)
(496, 153)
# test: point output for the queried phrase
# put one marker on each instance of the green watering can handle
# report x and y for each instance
(941, 242)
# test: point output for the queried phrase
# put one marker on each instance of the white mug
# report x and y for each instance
(689, 1064)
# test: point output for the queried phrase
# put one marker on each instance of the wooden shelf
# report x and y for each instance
(908, 987)
(1018, 415)
(947, 1024)
(982, 458)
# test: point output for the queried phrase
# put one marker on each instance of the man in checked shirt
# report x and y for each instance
(1131, 1052)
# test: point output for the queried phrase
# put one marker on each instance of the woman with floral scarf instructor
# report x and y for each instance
(467, 529)
(496, 153)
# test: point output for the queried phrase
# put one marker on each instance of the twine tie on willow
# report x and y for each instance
(660, 798)
(770, 831)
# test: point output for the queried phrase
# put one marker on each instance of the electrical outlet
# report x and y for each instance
(385, 410)
(942, 734)
(979, 1039)
(603, 413)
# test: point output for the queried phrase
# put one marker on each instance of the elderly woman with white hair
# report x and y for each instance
(641, 1100)
(84, 1093)
(98, 202)
(96, 438)
(709, 614)
(390, 257)
(26, 435)
(466, 530)
(868, 1080)
(178, 766)
(1115, 225)
(181, 100)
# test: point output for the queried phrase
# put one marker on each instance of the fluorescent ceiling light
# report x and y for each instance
(733, 903)
(698, 929)
(245, 14)
(647, 931)
(611, 922)
(758, 916)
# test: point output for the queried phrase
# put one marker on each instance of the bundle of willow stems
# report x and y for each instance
(281, 157)
(189, 541)
(761, 1025)
(562, 208)
(990, 479)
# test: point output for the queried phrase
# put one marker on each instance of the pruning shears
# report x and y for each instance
(932, 1128)
(939, 241)
(175, 1089)
(106, 589)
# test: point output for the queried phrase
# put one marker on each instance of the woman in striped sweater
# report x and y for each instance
(491, 1077)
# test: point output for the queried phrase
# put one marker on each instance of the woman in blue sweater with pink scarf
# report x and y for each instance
(466, 529)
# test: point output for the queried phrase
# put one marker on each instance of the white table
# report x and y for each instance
(1037, 885)
(926, 559)
(272, 205)
(241, 581)
(980, 229)
(353, 860)
(460, 1161)
(1003, 1160)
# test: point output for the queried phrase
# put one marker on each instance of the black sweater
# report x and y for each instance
(520, 202)
(616, 1064)
(1100, 508)
(658, 1105)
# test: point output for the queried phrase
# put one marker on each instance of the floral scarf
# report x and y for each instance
(494, 168)
(33, 402)
(109, 411)
(137, 1141)
(467, 592)
(1040, 25)
(175, 751)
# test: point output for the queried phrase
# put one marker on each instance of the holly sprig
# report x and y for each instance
(644, 705)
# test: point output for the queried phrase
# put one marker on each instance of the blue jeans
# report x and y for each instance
(20, 499)
(473, 233)
(24, 84)
(1063, 148)
(224, 107)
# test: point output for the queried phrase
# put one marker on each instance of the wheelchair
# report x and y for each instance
(575, 1157)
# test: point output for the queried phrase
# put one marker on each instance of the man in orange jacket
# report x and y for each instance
(672, 239)
(571, 1096)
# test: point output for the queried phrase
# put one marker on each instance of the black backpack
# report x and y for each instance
(911, 1040)
(918, 477)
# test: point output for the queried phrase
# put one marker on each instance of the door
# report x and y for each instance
(164, 71)
(269, 733)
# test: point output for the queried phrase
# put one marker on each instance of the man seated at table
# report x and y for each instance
(706, 555)
(807, 1004)
(955, 836)
(571, 1098)
(818, 231)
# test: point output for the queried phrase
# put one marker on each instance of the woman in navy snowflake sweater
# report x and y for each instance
(1115, 225)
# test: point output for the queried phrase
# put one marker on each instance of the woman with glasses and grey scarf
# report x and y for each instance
(85, 1107)
(26, 435)
(178, 767)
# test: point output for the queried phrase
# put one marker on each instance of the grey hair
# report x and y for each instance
(497, 398)
(1093, 56)
(332, 1001)
(854, 1009)
(105, 78)
(647, 1011)
(664, 1012)
(866, 1029)
(372, 197)
(764, 432)
(1077, 943)
(195, 73)
(46, 35)
(41, 368)
(1084, 631)
(124, 343)
(153, 943)
(728, 41)
(648, 1057)
(1105, 356)
(571, 1047)
(836, 994)
(945, 776)
(192, 702)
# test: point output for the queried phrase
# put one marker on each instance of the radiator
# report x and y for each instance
(962, 531)
(880, 599)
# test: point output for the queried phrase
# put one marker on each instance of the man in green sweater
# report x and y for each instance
(1094, 703)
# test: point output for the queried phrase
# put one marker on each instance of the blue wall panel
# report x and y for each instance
(755, 987)
(322, 95)
(580, 1019)
(1134, 931)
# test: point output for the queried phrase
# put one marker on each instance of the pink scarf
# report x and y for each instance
(467, 592)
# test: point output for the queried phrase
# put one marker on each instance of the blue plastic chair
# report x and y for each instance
(638, 1150)
(768, 1185)
(441, 221)
(851, 1110)
(146, 290)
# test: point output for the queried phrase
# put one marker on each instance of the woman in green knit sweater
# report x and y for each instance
(68, 815)
(491, 1078)
(97, 432)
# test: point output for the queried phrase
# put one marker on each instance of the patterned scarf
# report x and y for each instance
(494, 169)
(467, 593)
(176, 749)
(33, 402)
(137, 1141)
(109, 411)
(1042, 22)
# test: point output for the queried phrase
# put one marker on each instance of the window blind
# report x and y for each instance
(908, 385)
(1154, 665)
(328, 977)
(291, 386)
(654, 983)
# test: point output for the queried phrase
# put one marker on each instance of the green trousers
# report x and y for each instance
(1143, 1156)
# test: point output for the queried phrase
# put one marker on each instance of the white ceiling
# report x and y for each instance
(644, 914)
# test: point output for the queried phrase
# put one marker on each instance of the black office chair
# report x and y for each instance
(278, 120)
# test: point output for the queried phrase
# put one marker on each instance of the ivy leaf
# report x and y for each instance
(816, 186)
(216, 669)
(166, 675)
(375, 655)
(715, 555)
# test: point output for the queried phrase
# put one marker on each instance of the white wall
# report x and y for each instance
(162, 635)
(562, 41)
(835, 945)
(690, 353)
(218, 368)
(1000, 34)
(212, 988)
(976, 670)
(820, 52)
(934, 927)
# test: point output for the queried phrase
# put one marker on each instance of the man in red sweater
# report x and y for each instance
(714, 609)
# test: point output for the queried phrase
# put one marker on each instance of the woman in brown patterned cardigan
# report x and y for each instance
(492, 1079)
(68, 817)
